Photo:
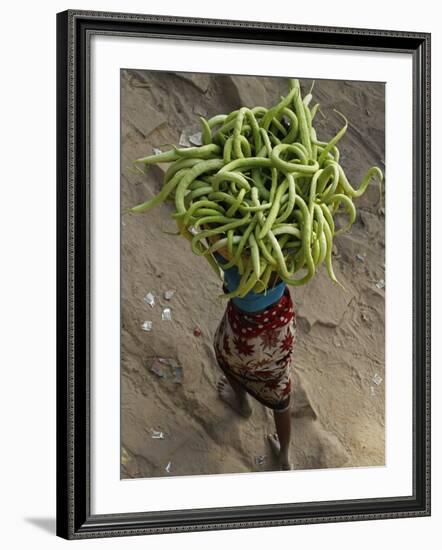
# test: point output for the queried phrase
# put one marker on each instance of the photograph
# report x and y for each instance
(243, 274)
(252, 305)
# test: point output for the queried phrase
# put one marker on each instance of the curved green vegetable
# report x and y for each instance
(262, 190)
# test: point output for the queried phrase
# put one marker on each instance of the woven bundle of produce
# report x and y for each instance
(263, 191)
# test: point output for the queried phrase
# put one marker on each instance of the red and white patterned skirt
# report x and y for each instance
(256, 350)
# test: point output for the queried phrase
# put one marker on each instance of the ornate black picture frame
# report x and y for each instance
(74, 518)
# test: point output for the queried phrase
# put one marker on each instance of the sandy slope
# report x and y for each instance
(338, 411)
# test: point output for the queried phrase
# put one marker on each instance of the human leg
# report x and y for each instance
(280, 441)
(234, 395)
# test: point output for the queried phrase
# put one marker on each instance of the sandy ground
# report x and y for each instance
(338, 405)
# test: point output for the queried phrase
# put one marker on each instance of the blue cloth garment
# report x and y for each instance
(253, 301)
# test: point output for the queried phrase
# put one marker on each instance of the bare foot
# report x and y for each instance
(227, 394)
(284, 463)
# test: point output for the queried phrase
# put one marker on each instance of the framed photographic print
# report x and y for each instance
(243, 274)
